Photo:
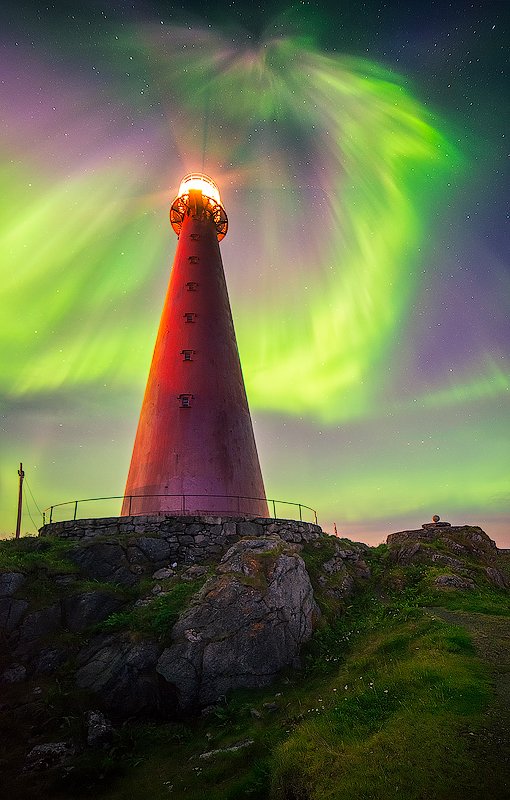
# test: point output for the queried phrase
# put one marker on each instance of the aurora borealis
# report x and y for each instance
(365, 257)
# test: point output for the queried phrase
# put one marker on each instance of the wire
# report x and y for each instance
(32, 496)
(27, 505)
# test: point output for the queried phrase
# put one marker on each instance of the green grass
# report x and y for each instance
(31, 553)
(488, 601)
(41, 560)
(159, 616)
(395, 722)
(400, 725)
(413, 585)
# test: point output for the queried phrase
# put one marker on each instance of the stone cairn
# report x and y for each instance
(436, 523)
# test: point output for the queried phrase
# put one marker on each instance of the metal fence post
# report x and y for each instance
(75, 509)
(51, 514)
(300, 514)
(274, 508)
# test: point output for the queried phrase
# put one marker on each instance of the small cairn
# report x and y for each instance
(436, 523)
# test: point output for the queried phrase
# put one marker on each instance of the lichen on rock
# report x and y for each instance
(246, 625)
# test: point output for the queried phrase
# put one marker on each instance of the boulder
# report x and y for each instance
(458, 538)
(39, 624)
(453, 546)
(407, 554)
(65, 580)
(155, 550)
(10, 582)
(48, 660)
(340, 574)
(245, 626)
(342, 589)
(88, 608)
(496, 577)
(11, 612)
(448, 561)
(121, 672)
(14, 674)
(244, 556)
(104, 561)
(46, 756)
(234, 748)
(163, 574)
(100, 730)
(195, 571)
(453, 582)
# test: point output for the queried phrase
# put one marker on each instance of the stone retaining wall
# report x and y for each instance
(185, 538)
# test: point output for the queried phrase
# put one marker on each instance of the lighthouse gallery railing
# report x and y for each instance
(182, 509)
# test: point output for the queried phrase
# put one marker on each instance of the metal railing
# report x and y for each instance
(182, 506)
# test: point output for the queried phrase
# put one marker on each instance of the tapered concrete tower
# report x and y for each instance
(195, 449)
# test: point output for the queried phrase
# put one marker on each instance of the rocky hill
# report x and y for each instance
(216, 652)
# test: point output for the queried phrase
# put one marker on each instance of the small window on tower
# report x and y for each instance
(192, 286)
(193, 259)
(185, 400)
(187, 355)
(194, 236)
(189, 316)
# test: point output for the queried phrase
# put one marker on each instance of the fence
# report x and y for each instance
(182, 504)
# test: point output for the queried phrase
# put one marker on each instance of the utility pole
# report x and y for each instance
(20, 499)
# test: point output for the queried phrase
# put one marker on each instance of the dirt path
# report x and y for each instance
(491, 743)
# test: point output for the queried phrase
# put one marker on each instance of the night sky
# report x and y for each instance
(361, 151)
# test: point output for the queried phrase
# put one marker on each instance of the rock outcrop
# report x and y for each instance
(246, 625)
(168, 618)
(346, 568)
(121, 673)
(465, 550)
(240, 629)
(103, 625)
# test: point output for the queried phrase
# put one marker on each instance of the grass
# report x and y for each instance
(41, 560)
(31, 553)
(414, 687)
(391, 711)
(392, 717)
(157, 617)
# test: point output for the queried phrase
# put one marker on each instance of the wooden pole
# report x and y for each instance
(20, 499)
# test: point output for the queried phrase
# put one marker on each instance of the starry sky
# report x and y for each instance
(361, 150)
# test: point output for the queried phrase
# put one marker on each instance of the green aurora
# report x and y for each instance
(339, 185)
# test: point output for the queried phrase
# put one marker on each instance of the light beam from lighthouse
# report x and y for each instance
(194, 449)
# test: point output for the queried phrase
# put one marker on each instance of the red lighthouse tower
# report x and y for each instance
(194, 449)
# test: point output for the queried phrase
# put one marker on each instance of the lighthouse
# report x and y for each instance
(195, 450)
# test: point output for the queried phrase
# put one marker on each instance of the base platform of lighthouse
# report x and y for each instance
(165, 539)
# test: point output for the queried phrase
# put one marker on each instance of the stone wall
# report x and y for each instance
(185, 539)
